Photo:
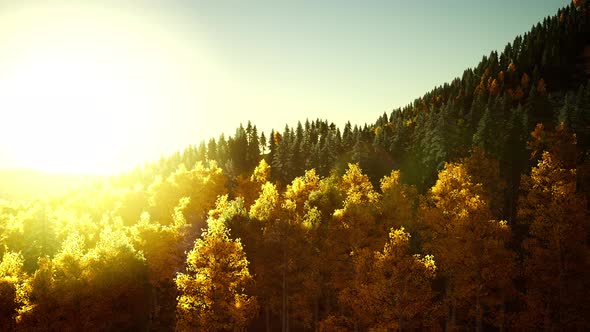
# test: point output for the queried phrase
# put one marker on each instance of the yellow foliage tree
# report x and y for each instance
(214, 293)
(398, 203)
(82, 288)
(284, 258)
(261, 173)
(297, 193)
(357, 187)
(266, 207)
(164, 248)
(13, 290)
(249, 187)
(470, 247)
(202, 184)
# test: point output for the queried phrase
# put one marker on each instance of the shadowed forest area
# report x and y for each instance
(466, 210)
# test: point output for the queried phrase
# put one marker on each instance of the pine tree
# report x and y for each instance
(201, 153)
(347, 137)
(222, 151)
(253, 150)
(212, 150)
(486, 135)
(568, 114)
(514, 158)
(272, 147)
(237, 148)
(263, 143)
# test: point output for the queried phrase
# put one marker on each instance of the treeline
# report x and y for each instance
(464, 210)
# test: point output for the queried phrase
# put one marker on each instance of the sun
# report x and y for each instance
(84, 90)
(65, 111)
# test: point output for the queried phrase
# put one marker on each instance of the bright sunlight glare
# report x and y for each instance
(85, 91)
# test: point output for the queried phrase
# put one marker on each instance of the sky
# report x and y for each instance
(102, 86)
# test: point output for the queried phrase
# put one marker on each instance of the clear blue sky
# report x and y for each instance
(151, 77)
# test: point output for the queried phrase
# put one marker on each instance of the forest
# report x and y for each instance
(465, 210)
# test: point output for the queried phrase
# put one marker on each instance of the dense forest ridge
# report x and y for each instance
(540, 77)
(464, 210)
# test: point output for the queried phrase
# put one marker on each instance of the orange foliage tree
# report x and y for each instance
(391, 289)
(556, 264)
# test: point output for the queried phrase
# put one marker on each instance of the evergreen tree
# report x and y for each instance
(212, 150)
(263, 144)
(272, 147)
(201, 154)
(253, 150)
(238, 147)
(222, 151)
(348, 140)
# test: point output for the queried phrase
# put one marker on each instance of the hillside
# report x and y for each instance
(466, 210)
(541, 77)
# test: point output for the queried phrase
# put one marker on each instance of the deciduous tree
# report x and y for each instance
(215, 290)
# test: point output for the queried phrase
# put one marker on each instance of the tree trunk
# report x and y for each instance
(502, 313)
(451, 313)
(316, 313)
(285, 318)
(267, 317)
(560, 280)
(153, 306)
(478, 313)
